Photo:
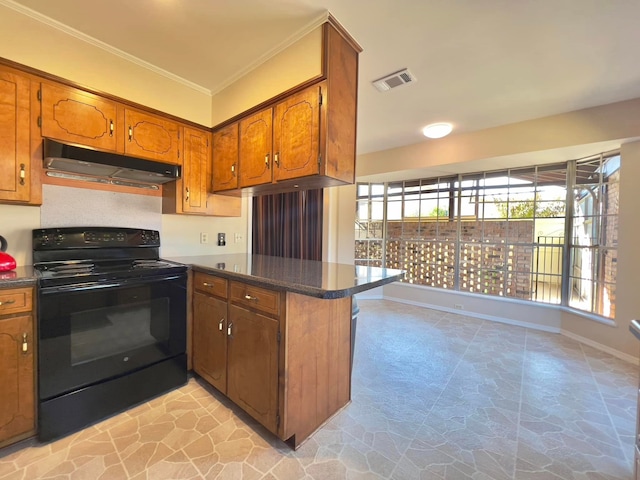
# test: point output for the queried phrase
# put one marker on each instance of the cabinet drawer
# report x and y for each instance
(210, 284)
(15, 300)
(255, 297)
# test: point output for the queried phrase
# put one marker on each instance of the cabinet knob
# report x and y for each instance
(7, 302)
(229, 327)
(25, 345)
(221, 324)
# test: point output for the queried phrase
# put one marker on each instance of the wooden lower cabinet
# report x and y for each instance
(287, 356)
(17, 394)
(252, 365)
(210, 339)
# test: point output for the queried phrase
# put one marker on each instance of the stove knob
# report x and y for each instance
(59, 238)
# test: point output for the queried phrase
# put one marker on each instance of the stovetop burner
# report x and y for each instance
(64, 256)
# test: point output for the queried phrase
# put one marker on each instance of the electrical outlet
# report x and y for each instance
(237, 238)
(459, 306)
(204, 237)
(221, 240)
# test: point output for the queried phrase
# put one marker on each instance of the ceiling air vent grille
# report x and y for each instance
(397, 79)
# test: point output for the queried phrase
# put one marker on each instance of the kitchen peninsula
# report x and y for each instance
(275, 336)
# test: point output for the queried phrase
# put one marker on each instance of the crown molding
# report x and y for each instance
(102, 45)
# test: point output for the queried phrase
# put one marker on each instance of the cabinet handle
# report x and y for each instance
(249, 297)
(25, 345)
(229, 329)
(205, 284)
(277, 159)
(23, 173)
(233, 169)
(266, 161)
(130, 133)
(187, 197)
(111, 128)
(7, 302)
(221, 324)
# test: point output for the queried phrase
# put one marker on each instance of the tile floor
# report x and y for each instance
(435, 396)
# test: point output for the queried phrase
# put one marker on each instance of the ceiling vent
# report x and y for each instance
(397, 79)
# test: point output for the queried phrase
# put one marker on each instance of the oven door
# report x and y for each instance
(93, 332)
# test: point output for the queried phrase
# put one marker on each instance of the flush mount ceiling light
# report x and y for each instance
(437, 130)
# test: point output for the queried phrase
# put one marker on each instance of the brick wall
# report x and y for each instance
(491, 259)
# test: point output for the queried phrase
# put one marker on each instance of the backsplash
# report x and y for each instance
(71, 207)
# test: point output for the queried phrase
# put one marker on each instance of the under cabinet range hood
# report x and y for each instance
(78, 163)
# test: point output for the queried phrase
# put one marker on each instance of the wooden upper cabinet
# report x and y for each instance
(152, 137)
(296, 135)
(196, 170)
(75, 116)
(225, 158)
(256, 149)
(15, 150)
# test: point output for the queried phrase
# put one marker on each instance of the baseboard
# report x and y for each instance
(365, 296)
(598, 346)
(480, 316)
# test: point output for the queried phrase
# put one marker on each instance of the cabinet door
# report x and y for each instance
(14, 136)
(256, 141)
(296, 134)
(71, 115)
(17, 395)
(253, 365)
(210, 340)
(196, 171)
(151, 137)
(225, 158)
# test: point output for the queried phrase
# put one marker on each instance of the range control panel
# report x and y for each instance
(93, 237)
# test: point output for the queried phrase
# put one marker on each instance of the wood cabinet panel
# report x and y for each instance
(152, 137)
(297, 135)
(256, 142)
(257, 298)
(17, 395)
(252, 358)
(196, 171)
(15, 149)
(210, 285)
(225, 158)
(75, 116)
(16, 300)
(210, 339)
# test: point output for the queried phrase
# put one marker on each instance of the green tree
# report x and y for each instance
(529, 208)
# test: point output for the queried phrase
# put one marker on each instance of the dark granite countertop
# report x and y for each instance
(20, 277)
(307, 277)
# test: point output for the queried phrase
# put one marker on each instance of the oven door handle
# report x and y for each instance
(80, 287)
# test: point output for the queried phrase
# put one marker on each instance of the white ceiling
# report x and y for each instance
(478, 63)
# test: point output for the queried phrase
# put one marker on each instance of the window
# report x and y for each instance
(514, 233)
(594, 238)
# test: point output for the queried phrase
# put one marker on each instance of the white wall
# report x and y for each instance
(181, 234)
(16, 223)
